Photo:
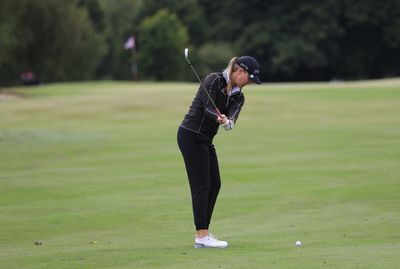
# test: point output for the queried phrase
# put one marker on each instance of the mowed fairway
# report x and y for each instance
(92, 173)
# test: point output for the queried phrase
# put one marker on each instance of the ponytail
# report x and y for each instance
(232, 66)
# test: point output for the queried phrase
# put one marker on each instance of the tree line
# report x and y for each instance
(293, 40)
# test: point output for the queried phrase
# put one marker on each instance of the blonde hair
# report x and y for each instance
(232, 66)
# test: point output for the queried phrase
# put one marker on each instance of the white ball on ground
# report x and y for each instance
(298, 243)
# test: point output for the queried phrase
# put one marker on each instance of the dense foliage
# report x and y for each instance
(293, 40)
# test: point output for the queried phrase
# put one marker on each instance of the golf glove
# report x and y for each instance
(228, 125)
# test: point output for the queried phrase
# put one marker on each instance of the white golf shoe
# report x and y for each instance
(209, 241)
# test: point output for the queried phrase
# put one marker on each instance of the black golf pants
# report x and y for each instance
(203, 172)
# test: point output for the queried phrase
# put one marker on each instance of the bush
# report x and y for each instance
(162, 39)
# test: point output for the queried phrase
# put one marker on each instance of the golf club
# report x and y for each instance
(201, 83)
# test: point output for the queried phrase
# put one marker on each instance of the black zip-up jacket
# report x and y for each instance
(202, 117)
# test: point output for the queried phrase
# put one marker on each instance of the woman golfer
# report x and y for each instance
(196, 133)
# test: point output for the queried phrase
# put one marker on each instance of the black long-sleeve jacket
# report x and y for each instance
(201, 117)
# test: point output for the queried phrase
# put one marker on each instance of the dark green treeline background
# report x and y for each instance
(306, 40)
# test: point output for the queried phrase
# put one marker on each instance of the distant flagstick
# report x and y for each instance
(130, 44)
(201, 83)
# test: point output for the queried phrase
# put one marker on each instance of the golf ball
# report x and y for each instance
(298, 243)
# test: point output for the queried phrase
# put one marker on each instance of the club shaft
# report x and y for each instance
(204, 88)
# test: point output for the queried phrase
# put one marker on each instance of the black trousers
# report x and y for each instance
(203, 172)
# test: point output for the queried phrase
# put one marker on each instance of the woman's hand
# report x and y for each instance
(225, 122)
(223, 119)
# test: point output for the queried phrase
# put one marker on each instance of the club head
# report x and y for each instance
(186, 52)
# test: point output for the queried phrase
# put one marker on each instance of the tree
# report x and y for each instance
(311, 40)
(53, 38)
(214, 56)
(162, 38)
(293, 40)
(122, 20)
(370, 44)
(95, 12)
(189, 13)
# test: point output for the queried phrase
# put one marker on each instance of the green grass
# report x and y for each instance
(86, 162)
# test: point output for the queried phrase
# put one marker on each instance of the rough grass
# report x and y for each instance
(92, 172)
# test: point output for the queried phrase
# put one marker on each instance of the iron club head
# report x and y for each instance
(186, 52)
